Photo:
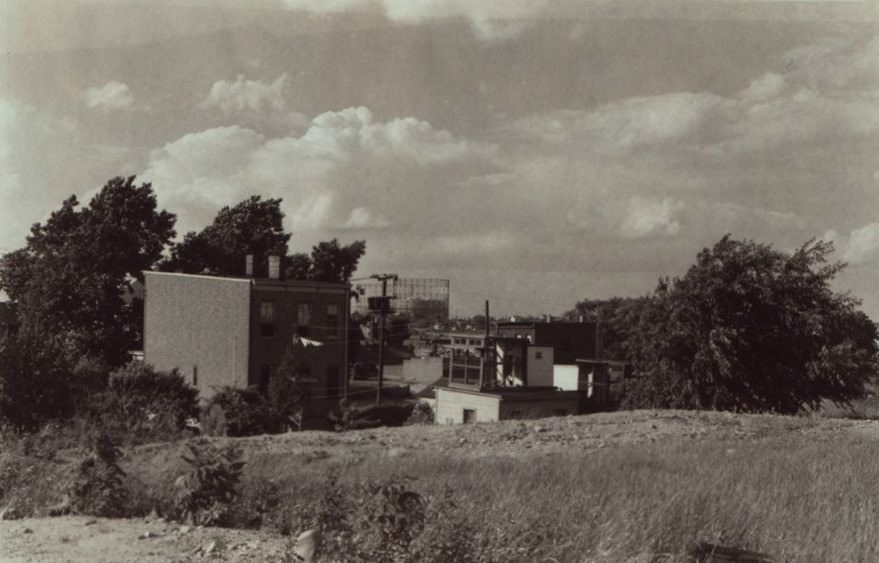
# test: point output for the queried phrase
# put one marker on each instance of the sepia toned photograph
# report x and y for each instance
(404, 281)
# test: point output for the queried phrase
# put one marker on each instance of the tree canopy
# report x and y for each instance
(68, 282)
(750, 328)
(253, 226)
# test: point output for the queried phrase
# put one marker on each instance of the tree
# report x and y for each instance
(750, 328)
(69, 281)
(331, 262)
(253, 226)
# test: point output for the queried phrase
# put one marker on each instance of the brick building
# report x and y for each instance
(229, 331)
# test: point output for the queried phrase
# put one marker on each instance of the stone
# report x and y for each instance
(306, 545)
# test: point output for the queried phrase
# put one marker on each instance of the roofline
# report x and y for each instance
(197, 276)
(252, 281)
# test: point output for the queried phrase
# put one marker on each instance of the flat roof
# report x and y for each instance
(254, 281)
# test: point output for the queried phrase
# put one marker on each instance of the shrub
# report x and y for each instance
(246, 412)
(354, 417)
(421, 414)
(141, 403)
(204, 495)
(100, 487)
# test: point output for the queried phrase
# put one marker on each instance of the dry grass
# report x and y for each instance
(798, 489)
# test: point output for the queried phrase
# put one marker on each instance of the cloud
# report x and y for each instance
(862, 246)
(112, 96)
(346, 171)
(245, 95)
(627, 124)
(647, 218)
(489, 19)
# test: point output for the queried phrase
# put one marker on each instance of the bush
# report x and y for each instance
(246, 412)
(100, 487)
(141, 403)
(421, 414)
(354, 417)
(204, 495)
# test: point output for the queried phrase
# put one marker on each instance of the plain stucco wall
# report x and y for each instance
(540, 359)
(450, 405)
(566, 377)
(198, 322)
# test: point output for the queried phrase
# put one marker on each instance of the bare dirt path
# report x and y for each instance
(101, 540)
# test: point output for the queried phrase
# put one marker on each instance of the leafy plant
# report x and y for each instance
(246, 411)
(205, 493)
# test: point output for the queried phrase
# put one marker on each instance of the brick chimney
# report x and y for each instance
(274, 267)
(248, 265)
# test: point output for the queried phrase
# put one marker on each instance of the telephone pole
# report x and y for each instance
(383, 308)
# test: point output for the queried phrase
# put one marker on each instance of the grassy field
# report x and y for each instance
(637, 486)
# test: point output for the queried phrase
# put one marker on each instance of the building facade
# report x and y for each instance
(226, 331)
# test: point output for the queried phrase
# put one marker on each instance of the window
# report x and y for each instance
(303, 318)
(538, 355)
(469, 416)
(333, 319)
(267, 319)
(265, 374)
(195, 376)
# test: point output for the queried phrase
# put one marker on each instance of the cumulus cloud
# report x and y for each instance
(243, 95)
(343, 172)
(112, 96)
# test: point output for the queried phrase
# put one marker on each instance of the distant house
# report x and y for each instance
(459, 404)
(234, 331)
(526, 370)
(570, 341)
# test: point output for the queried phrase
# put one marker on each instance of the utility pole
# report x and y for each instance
(488, 373)
(384, 307)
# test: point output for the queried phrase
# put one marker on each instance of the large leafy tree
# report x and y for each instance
(331, 262)
(70, 282)
(253, 226)
(751, 328)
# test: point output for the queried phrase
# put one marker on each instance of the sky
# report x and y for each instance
(533, 152)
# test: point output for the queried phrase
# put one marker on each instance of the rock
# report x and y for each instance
(184, 529)
(148, 535)
(27, 531)
(306, 545)
(90, 522)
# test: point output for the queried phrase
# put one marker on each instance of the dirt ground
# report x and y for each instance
(78, 538)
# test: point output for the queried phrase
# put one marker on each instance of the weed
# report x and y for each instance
(204, 494)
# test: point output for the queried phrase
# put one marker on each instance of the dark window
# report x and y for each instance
(265, 374)
(333, 319)
(469, 416)
(267, 319)
(538, 355)
(195, 376)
